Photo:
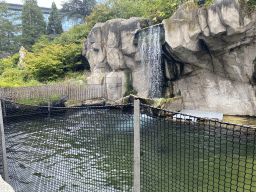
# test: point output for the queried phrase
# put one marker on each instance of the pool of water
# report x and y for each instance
(85, 150)
(92, 150)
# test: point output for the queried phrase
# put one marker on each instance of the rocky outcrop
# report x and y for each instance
(214, 50)
(109, 46)
(22, 53)
(5, 187)
(110, 51)
(209, 56)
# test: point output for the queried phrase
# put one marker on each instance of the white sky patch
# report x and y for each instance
(41, 3)
(45, 3)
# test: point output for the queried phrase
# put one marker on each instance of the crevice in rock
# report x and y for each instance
(254, 72)
(206, 48)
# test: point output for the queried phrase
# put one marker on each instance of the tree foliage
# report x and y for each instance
(155, 10)
(52, 61)
(33, 24)
(54, 24)
(77, 9)
(10, 62)
(9, 41)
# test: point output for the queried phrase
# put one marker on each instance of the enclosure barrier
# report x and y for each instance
(92, 149)
(69, 90)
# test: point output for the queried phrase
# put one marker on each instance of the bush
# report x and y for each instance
(46, 65)
(9, 62)
(16, 77)
(54, 60)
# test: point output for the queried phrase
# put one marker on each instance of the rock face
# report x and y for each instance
(110, 51)
(5, 187)
(209, 55)
(214, 50)
(109, 46)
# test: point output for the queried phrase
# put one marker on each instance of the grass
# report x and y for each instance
(72, 102)
(40, 100)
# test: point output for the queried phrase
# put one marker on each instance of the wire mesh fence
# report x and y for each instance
(203, 156)
(91, 149)
(70, 149)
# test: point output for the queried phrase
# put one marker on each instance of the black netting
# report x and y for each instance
(69, 149)
(91, 149)
(189, 156)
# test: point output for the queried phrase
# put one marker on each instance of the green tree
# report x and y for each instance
(77, 9)
(8, 31)
(33, 24)
(54, 25)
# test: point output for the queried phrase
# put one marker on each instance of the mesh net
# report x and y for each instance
(182, 155)
(69, 149)
(91, 149)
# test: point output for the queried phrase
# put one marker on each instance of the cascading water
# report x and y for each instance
(150, 52)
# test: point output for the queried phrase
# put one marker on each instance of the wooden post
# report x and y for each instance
(4, 157)
(136, 184)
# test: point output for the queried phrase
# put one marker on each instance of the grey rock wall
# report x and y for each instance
(209, 56)
(109, 46)
(215, 52)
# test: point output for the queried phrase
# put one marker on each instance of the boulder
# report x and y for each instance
(94, 102)
(5, 187)
(115, 82)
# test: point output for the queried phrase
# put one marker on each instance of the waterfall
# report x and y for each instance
(150, 53)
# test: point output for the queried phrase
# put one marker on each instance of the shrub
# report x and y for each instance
(9, 62)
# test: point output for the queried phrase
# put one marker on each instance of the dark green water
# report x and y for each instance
(92, 150)
(86, 150)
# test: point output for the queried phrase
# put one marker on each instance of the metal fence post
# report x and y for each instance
(3, 102)
(136, 184)
(4, 159)
(106, 88)
(48, 99)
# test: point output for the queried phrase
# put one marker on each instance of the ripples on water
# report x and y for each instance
(85, 150)
(92, 150)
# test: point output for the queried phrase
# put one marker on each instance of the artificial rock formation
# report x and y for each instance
(214, 49)
(109, 46)
(209, 55)
(110, 50)
(22, 53)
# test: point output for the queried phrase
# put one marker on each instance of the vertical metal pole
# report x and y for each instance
(136, 184)
(48, 98)
(4, 159)
(106, 88)
(3, 102)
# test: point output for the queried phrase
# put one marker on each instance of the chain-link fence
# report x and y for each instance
(92, 149)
